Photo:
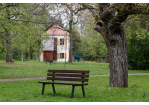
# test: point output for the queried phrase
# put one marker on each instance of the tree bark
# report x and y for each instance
(70, 29)
(9, 55)
(116, 43)
(117, 50)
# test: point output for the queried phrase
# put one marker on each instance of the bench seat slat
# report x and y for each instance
(69, 71)
(68, 75)
(67, 79)
(63, 83)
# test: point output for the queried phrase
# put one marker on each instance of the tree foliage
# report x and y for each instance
(137, 30)
(22, 28)
(92, 46)
(76, 42)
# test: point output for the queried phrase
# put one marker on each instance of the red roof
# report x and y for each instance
(57, 30)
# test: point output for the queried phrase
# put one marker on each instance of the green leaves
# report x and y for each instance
(138, 43)
(23, 26)
(92, 44)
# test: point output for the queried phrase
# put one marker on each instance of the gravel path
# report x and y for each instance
(36, 78)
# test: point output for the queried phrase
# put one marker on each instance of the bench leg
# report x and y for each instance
(53, 89)
(83, 90)
(43, 89)
(72, 91)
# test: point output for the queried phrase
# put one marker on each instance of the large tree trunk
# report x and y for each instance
(113, 33)
(9, 55)
(116, 43)
(117, 50)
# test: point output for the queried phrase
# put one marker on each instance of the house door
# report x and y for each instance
(47, 55)
(55, 55)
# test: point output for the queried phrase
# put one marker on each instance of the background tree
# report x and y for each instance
(92, 46)
(7, 13)
(76, 42)
(71, 10)
(22, 26)
(137, 30)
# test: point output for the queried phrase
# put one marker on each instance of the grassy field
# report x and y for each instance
(96, 91)
(39, 69)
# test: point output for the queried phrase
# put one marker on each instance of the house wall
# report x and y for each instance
(48, 45)
(63, 48)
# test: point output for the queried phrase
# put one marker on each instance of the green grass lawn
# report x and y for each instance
(96, 91)
(39, 69)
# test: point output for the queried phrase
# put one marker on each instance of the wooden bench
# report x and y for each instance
(81, 76)
(51, 61)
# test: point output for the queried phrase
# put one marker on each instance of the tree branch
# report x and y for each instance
(100, 27)
(90, 8)
(2, 35)
(31, 21)
(121, 16)
(139, 10)
(129, 9)
(77, 20)
(106, 12)
(80, 9)
(9, 5)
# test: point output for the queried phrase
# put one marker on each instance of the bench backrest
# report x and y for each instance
(68, 75)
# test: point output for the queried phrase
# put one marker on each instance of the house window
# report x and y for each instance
(62, 41)
(61, 55)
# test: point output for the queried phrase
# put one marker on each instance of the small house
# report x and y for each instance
(57, 47)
